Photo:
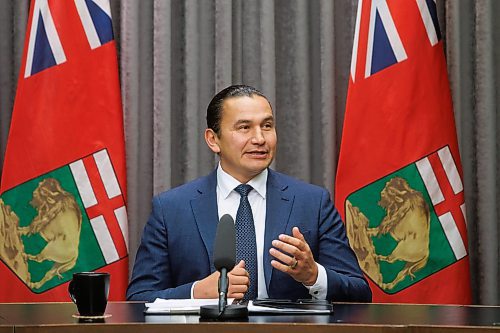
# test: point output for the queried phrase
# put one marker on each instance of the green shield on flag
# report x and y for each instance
(47, 233)
(394, 229)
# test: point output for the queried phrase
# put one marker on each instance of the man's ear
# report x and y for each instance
(212, 140)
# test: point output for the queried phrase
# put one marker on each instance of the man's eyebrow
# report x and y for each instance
(242, 121)
(246, 121)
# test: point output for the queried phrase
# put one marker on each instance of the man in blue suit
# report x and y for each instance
(298, 249)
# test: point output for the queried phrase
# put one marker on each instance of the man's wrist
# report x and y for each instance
(314, 277)
(319, 289)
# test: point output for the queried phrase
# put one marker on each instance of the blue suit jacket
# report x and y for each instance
(178, 240)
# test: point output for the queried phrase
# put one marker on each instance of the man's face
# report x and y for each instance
(247, 140)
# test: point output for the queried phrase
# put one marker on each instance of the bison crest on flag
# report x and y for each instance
(403, 227)
(43, 223)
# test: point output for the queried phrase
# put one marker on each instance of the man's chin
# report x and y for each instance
(259, 162)
(257, 168)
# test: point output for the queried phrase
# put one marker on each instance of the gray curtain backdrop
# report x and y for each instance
(175, 54)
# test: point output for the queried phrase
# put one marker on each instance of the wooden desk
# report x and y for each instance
(129, 318)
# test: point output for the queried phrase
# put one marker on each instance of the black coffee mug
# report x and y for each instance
(89, 291)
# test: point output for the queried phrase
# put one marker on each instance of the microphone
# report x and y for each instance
(224, 255)
(224, 261)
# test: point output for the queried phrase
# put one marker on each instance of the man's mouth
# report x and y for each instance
(258, 153)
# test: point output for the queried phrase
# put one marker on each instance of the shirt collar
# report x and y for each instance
(227, 183)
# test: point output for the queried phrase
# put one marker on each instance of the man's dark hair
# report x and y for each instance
(214, 110)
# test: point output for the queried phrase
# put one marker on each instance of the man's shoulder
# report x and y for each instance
(291, 183)
(187, 190)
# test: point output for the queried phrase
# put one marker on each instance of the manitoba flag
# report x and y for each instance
(399, 181)
(63, 188)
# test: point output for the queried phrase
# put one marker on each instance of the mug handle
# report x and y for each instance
(71, 291)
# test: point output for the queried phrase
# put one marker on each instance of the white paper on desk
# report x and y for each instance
(265, 309)
(179, 306)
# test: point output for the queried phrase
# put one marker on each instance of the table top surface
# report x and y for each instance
(37, 314)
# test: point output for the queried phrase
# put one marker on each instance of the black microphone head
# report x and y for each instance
(225, 244)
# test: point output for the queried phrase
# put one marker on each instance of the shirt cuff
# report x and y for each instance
(192, 289)
(319, 289)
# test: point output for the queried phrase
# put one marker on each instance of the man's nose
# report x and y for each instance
(258, 137)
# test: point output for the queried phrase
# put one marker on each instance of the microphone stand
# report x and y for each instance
(223, 286)
(223, 311)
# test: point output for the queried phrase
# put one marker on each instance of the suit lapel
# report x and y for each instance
(278, 207)
(204, 208)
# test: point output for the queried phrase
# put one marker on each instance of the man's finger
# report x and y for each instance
(297, 234)
(293, 251)
(298, 243)
(238, 269)
(236, 295)
(235, 279)
(238, 272)
(286, 259)
(240, 288)
(281, 267)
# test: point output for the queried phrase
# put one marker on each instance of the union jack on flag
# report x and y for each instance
(384, 46)
(44, 46)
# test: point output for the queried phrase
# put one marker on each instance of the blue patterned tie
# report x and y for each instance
(246, 246)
